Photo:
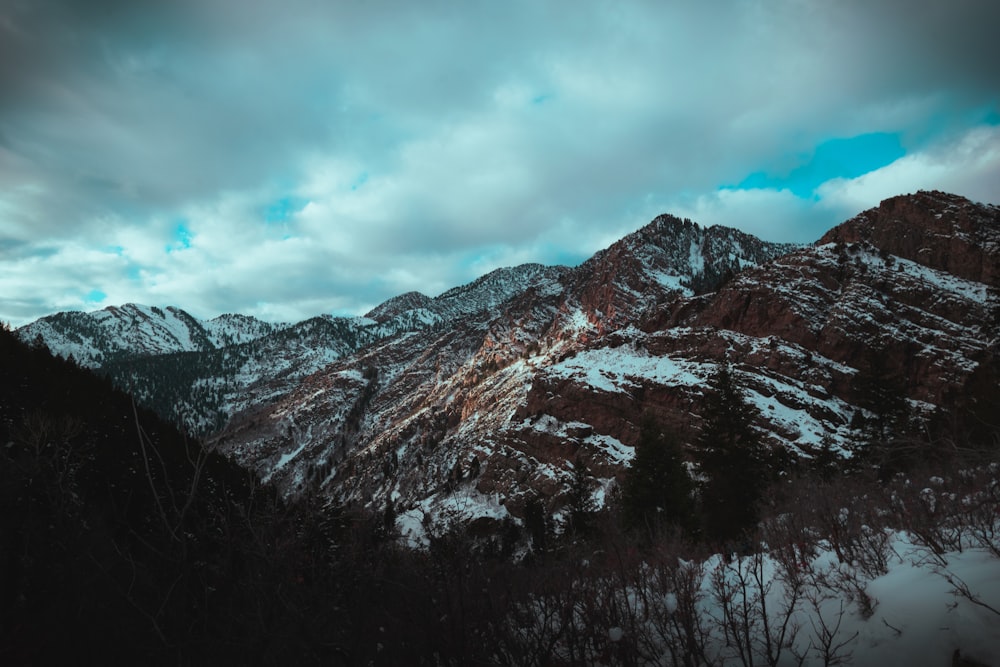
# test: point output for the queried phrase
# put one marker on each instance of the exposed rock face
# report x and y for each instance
(484, 416)
(666, 258)
(469, 404)
(935, 229)
(914, 280)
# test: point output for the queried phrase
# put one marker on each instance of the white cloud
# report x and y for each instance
(968, 165)
(772, 215)
(426, 143)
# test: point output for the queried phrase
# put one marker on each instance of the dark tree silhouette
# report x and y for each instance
(883, 422)
(733, 459)
(580, 503)
(657, 489)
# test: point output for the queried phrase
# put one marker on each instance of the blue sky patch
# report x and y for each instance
(284, 208)
(359, 181)
(836, 158)
(95, 296)
(182, 237)
(134, 273)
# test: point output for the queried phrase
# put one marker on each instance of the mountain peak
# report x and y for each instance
(942, 231)
(397, 305)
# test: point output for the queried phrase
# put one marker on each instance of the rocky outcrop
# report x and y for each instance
(471, 404)
(939, 230)
(492, 410)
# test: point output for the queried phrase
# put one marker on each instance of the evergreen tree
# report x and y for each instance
(536, 525)
(657, 488)
(580, 504)
(881, 393)
(732, 458)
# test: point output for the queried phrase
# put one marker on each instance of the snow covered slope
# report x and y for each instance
(478, 400)
(131, 331)
(475, 418)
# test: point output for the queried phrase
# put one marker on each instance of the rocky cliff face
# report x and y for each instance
(474, 421)
(472, 403)
(477, 417)
(941, 231)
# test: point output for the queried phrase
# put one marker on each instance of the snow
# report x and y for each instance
(288, 456)
(917, 599)
(465, 504)
(797, 420)
(577, 321)
(912, 614)
(617, 451)
(966, 289)
(410, 525)
(696, 259)
(616, 370)
(672, 281)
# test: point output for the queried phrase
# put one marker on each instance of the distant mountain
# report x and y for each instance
(474, 403)
(120, 333)
(475, 419)
(411, 416)
(198, 373)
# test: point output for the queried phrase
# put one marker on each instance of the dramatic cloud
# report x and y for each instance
(289, 158)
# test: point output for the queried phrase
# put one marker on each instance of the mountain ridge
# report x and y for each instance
(246, 360)
(482, 419)
(475, 403)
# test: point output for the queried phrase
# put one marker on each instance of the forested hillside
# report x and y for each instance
(124, 542)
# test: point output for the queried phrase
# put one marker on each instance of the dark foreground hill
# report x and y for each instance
(121, 540)
(535, 433)
(123, 543)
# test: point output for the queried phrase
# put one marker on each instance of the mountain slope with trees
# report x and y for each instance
(829, 346)
(612, 464)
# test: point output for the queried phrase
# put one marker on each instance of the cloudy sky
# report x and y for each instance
(286, 158)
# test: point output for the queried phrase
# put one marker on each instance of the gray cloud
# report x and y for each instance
(423, 143)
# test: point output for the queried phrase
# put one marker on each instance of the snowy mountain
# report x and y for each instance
(133, 331)
(474, 403)
(476, 419)
(197, 373)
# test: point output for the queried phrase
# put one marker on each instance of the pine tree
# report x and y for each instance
(580, 503)
(536, 524)
(657, 488)
(881, 393)
(733, 460)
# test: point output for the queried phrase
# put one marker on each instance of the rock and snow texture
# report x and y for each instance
(134, 331)
(491, 390)
(494, 405)
(447, 411)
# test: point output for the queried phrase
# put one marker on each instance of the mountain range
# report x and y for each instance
(470, 405)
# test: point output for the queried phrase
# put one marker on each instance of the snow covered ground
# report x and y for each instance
(915, 614)
(772, 609)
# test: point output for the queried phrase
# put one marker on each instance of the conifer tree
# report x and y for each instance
(536, 524)
(882, 394)
(580, 504)
(657, 488)
(733, 460)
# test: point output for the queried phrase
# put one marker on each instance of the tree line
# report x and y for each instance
(121, 540)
